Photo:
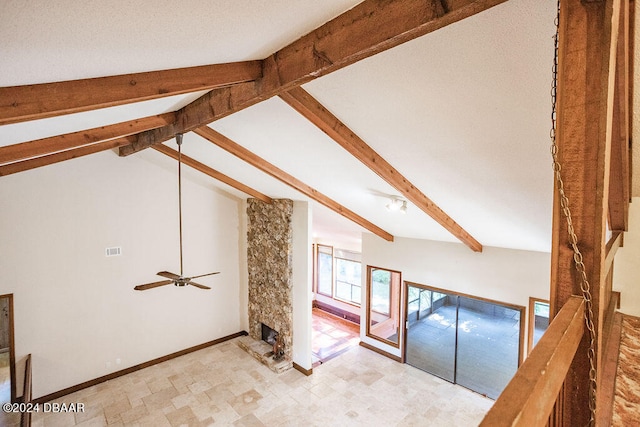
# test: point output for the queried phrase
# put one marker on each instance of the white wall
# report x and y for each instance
(505, 275)
(75, 310)
(244, 271)
(301, 277)
(626, 273)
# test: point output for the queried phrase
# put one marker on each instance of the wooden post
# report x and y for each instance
(587, 60)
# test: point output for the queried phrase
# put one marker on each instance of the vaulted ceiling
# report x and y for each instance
(450, 113)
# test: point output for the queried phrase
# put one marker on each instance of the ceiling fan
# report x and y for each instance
(177, 279)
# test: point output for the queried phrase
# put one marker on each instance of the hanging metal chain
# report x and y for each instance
(585, 287)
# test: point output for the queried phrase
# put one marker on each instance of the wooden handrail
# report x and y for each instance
(531, 394)
(25, 419)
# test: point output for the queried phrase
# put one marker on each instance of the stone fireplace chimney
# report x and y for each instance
(269, 260)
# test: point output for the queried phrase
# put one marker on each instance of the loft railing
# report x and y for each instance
(530, 397)
(25, 418)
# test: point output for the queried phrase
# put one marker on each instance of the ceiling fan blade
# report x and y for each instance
(204, 275)
(169, 275)
(152, 285)
(198, 285)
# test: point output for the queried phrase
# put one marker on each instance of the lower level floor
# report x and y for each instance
(224, 385)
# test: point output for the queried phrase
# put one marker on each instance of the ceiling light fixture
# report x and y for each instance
(397, 204)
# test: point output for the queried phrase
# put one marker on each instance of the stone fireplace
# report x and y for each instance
(269, 261)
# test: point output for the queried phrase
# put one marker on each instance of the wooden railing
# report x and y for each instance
(530, 397)
(25, 419)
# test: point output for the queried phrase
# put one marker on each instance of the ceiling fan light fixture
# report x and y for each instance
(396, 204)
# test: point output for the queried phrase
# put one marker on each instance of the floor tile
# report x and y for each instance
(227, 387)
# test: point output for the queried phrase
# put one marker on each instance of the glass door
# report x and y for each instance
(431, 331)
(488, 346)
(466, 340)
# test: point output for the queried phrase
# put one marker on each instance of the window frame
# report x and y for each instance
(352, 285)
(319, 252)
(396, 313)
(336, 254)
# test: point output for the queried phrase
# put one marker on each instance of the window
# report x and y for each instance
(541, 309)
(325, 270)
(339, 274)
(538, 320)
(380, 291)
(418, 303)
(383, 305)
(348, 280)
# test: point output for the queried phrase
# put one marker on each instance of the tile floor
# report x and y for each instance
(223, 385)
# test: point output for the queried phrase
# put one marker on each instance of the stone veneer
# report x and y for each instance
(269, 241)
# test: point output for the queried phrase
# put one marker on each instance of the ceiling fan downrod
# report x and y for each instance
(175, 279)
(179, 142)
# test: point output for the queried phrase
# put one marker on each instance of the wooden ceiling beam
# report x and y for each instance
(30, 102)
(212, 173)
(270, 169)
(369, 28)
(220, 102)
(42, 147)
(316, 113)
(37, 162)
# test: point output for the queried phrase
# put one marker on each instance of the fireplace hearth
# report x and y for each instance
(263, 352)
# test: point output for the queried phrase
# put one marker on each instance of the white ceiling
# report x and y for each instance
(462, 112)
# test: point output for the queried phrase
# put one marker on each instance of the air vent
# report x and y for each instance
(113, 251)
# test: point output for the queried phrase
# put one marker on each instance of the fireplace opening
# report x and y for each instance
(269, 335)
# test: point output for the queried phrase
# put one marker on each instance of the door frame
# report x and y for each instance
(405, 309)
(12, 349)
